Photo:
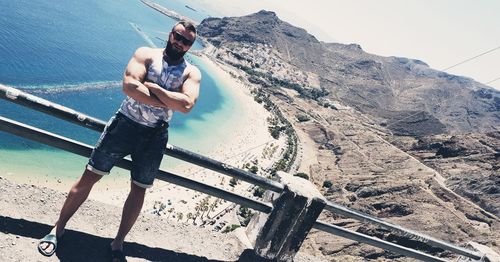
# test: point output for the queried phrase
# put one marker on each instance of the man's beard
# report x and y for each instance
(172, 53)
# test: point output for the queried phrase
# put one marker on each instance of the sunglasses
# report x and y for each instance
(181, 38)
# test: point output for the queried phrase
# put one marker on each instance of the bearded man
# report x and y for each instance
(157, 81)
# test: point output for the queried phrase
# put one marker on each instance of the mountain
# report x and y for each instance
(404, 94)
(388, 136)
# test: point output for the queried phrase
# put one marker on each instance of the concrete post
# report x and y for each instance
(278, 236)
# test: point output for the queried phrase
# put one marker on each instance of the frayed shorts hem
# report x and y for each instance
(139, 184)
(96, 171)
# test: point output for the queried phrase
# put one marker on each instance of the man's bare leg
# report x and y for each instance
(76, 196)
(131, 211)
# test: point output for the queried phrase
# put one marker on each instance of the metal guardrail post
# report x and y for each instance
(22, 98)
(278, 236)
(85, 150)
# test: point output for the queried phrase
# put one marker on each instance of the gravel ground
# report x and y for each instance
(28, 212)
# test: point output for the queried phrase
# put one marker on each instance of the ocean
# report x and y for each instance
(74, 53)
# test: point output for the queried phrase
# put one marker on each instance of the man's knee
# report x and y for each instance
(87, 180)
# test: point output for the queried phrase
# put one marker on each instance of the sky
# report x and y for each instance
(441, 33)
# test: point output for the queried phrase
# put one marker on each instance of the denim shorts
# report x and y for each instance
(123, 136)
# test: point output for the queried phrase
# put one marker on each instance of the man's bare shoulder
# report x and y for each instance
(193, 71)
(147, 53)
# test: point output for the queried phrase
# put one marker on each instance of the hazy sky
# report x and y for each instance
(441, 33)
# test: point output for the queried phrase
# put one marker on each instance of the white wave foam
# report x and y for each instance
(56, 88)
(143, 35)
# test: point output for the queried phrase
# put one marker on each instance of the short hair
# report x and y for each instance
(188, 25)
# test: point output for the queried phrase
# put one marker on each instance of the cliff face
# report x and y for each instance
(404, 94)
(402, 154)
(263, 27)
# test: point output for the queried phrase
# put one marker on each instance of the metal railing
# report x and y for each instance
(42, 136)
(85, 150)
(344, 211)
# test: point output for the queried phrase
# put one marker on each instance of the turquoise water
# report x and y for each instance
(74, 53)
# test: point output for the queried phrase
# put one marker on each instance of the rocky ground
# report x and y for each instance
(371, 175)
(469, 162)
(421, 184)
(27, 213)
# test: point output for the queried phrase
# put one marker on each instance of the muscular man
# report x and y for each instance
(157, 82)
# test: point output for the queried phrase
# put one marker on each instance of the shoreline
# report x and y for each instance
(239, 138)
(167, 12)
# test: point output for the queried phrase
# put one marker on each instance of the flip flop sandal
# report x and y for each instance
(50, 239)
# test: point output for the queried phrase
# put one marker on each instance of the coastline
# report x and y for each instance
(237, 138)
(167, 12)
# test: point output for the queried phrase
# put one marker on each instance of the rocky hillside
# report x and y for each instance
(404, 94)
(470, 163)
(391, 137)
(369, 174)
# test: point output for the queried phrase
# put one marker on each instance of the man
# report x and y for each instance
(157, 82)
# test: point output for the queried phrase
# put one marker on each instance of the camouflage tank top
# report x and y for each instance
(168, 77)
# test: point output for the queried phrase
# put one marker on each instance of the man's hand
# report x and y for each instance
(153, 90)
